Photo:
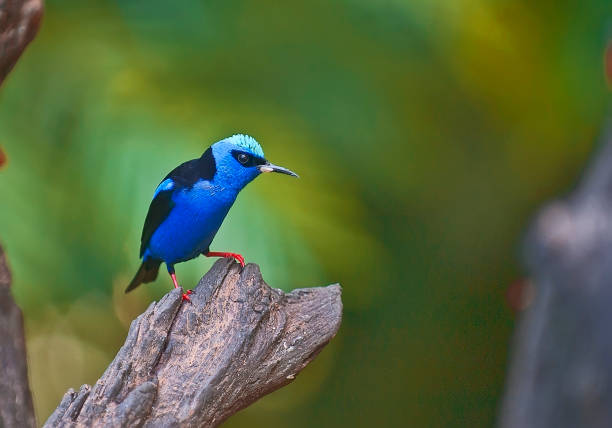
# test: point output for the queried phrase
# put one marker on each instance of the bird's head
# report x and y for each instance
(239, 159)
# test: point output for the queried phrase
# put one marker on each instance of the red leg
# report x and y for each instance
(235, 256)
(185, 295)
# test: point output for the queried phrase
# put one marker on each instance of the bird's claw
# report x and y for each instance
(236, 257)
(239, 259)
(186, 295)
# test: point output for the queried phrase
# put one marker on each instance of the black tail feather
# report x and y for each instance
(147, 273)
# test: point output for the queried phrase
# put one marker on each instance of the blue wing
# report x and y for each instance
(183, 176)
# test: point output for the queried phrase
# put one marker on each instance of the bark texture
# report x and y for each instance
(19, 22)
(195, 364)
(561, 369)
(16, 408)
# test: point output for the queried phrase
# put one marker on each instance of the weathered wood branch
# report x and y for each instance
(196, 364)
(19, 21)
(16, 408)
(561, 370)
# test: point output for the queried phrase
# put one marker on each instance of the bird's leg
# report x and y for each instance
(235, 256)
(185, 295)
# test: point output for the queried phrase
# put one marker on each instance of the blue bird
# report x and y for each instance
(192, 201)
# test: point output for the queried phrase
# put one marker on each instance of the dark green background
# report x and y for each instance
(426, 133)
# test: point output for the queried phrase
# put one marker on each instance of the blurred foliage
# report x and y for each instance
(425, 133)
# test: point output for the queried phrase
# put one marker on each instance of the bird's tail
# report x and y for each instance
(147, 273)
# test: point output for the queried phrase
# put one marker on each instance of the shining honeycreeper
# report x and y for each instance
(191, 202)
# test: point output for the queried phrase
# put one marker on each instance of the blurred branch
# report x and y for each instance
(196, 364)
(16, 408)
(19, 22)
(561, 371)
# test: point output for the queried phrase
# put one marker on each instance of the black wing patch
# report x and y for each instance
(189, 173)
(183, 176)
(208, 166)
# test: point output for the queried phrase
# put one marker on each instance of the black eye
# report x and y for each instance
(243, 158)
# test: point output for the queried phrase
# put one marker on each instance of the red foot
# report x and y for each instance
(235, 256)
(175, 282)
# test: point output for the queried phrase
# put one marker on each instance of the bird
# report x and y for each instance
(191, 202)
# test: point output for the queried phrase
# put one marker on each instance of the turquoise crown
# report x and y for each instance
(247, 142)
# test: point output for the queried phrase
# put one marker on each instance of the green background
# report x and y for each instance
(426, 133)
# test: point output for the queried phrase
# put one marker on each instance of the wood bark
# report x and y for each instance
(561, 369)
(196, 363)
(19, 22)
(16, 408)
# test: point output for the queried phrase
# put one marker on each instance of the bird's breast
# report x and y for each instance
(193, 222)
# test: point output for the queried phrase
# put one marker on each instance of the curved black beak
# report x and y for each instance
(268, 167)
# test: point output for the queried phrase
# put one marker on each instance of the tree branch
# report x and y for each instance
(16, 408)
(196, 364)
(19, 22)
(561, 371)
